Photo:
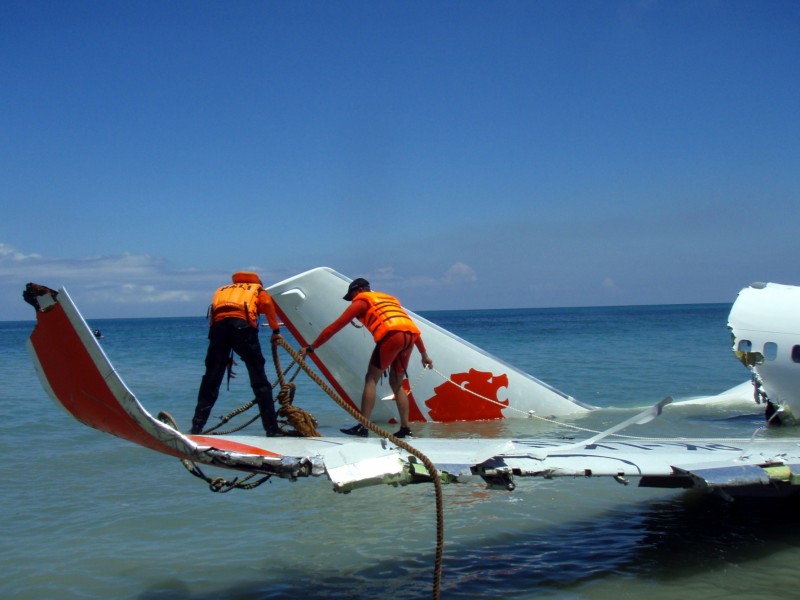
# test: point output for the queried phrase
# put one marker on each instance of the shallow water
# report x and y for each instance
(88, 516)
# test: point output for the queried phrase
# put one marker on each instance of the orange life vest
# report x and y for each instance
(384, 315)
(246, 277)
(238, 300)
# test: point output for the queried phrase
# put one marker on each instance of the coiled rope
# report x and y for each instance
(303, 422)
(305, 425)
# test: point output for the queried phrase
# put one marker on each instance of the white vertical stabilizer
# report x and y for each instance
(466, 384)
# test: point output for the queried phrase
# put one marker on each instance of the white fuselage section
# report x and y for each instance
(765, 325)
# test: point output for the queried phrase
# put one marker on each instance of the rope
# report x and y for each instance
(434, 473)
(303, 422)
(229, 416)
(532, 415)
(305, 426)
(215, 484)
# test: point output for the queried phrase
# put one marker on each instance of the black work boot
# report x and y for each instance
(404, 432)
(358, 430)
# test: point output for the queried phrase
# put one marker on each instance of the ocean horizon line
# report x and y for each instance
(427, 312)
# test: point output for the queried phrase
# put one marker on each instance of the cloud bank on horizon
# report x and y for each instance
(129, 285)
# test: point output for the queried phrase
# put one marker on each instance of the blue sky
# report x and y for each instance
(457, 154)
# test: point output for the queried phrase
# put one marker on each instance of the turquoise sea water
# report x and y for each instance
(86, 515)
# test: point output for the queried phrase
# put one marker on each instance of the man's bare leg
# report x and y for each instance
(400, 396)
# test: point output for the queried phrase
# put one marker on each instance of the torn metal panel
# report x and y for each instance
(713, 475)
(355, 465)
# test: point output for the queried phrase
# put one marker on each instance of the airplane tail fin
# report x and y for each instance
(467, 383)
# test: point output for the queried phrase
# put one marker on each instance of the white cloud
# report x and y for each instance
(384, 274)
(460, 273)
(101, 282)
(140, 285)
(610, 285)
(7, 253)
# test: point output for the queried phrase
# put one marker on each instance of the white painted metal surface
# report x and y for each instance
(77, 373)
(467, 384)
(765, 324)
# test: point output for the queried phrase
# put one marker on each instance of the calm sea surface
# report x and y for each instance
(86, 515)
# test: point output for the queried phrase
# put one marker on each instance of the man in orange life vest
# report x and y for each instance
(395, 336)
(234, 316)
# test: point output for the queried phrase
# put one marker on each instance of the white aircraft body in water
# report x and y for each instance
(77, 374)
(765, 327)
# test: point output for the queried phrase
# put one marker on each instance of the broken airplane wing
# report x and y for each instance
(77, 374)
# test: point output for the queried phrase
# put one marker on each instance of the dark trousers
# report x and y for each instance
(236, 335)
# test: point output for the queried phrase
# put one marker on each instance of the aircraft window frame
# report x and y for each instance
(745, 346)
(796, 353)
(770, 351)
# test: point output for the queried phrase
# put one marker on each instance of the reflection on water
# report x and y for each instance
(679, 539)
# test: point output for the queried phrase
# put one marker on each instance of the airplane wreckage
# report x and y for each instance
(77, 374)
